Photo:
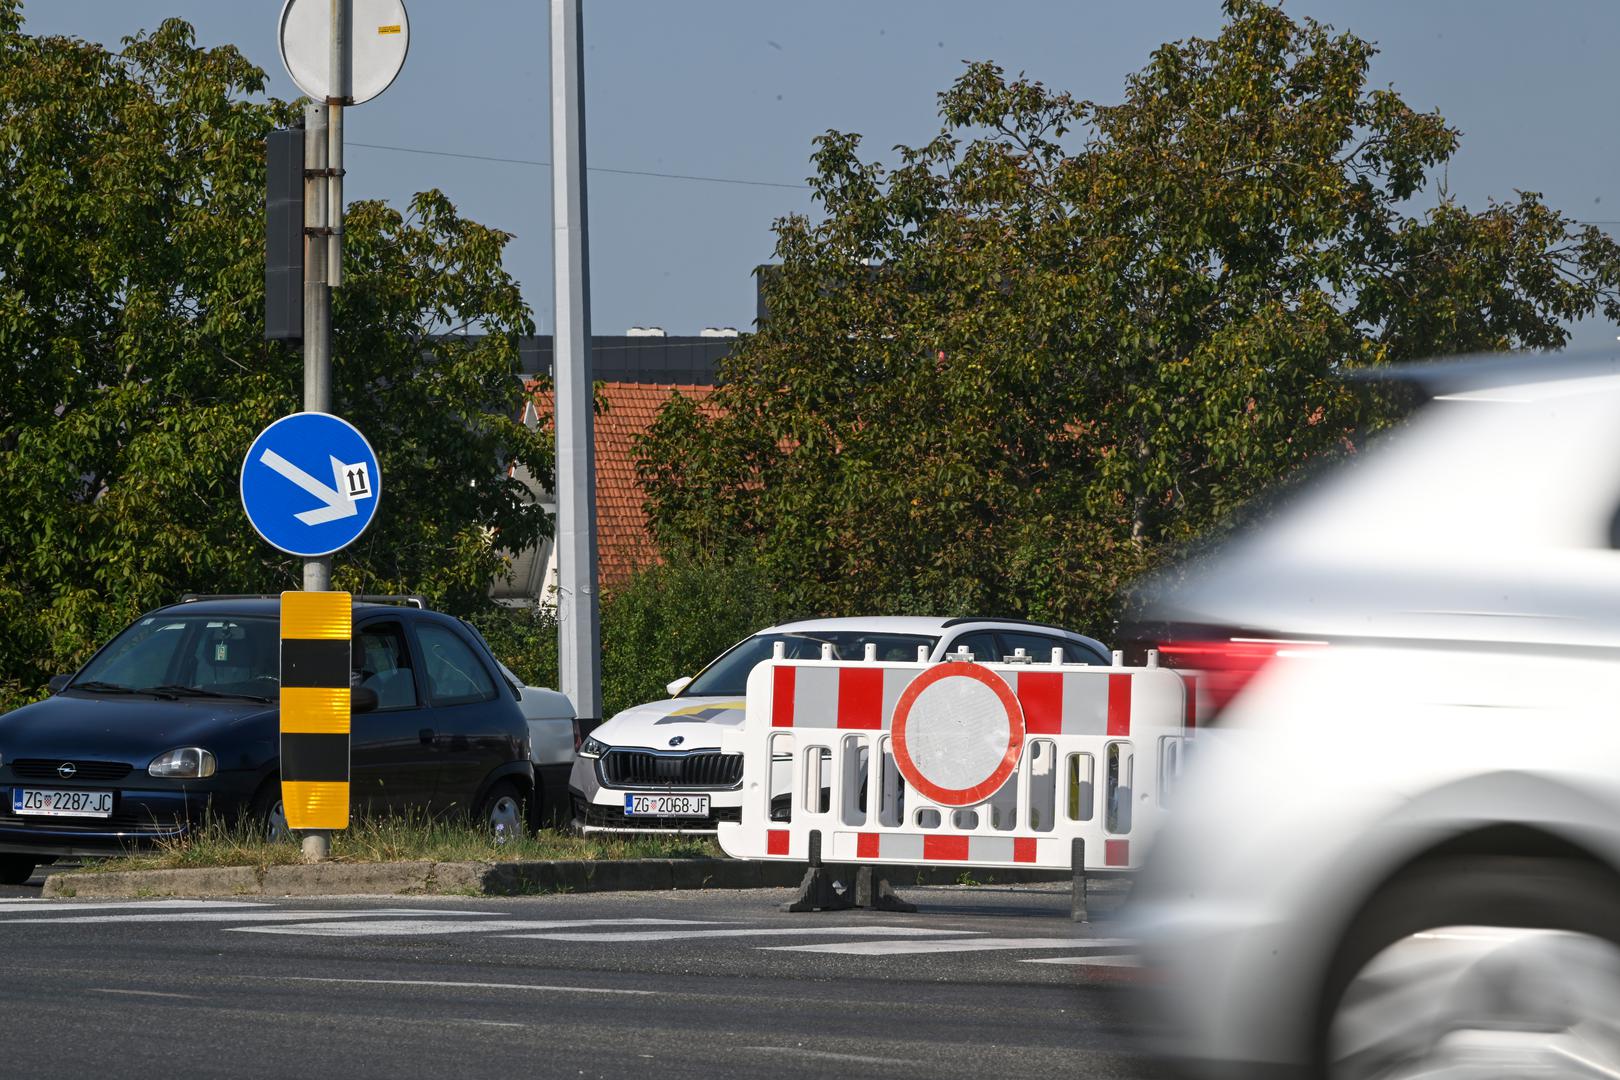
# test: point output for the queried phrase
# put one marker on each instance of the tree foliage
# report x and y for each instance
(1061, 338)
(134, 374)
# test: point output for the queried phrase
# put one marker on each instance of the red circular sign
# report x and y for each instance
(964, 729)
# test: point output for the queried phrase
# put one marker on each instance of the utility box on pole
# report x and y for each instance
(284, 236)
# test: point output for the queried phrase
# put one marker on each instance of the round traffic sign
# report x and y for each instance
(958, 732)
(310, 484)
(379, 37)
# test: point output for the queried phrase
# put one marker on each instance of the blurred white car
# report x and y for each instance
(1397, 851)
(658, 766)
(553, 740)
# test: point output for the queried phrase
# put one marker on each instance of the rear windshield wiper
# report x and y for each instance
(175, 690)
(97, 686)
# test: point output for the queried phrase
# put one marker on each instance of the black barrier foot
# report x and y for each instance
(1077, 865)
(819, 891)
(875, 893)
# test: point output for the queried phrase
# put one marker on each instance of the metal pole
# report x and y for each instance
(578, 629)
(341, 90)
(317, 345)
(317, 296)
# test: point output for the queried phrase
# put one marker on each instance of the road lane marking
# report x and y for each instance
(1119, 961)
(756, 931)
(424, 927)
(912, 948)
(275, 915)
(109, 905)
(828, 1055)
(459, 985)
(139, 993)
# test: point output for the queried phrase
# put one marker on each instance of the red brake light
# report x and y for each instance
(1222, 667)
(577, 738)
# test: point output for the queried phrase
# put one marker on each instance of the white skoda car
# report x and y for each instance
(1397, 851)
(658, 766)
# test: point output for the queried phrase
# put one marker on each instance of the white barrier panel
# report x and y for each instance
(997, 765)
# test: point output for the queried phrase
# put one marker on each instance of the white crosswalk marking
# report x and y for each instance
(418, 927)
(280, 915)
(753, 931)
(912, 948)
(853, 939)
(1118, 960)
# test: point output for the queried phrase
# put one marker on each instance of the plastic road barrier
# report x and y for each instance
(995, 765)
(315, 629)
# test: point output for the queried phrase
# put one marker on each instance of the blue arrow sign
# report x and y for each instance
(310, 484)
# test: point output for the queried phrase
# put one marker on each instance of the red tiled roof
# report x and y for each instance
(628, 409)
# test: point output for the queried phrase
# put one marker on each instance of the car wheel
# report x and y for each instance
(267, 817)
(503, 810)
(16, 869)
(1480, 967)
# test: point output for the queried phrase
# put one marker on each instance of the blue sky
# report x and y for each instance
(736, 89)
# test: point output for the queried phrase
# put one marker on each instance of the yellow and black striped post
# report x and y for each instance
(315, 631)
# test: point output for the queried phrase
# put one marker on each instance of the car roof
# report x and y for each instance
(263, 606)
(1485, 371)
(930, 626)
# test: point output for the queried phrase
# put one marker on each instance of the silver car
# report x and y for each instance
(1397, 853)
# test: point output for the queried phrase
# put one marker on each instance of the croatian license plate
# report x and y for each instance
(666, 805)
(48, 803)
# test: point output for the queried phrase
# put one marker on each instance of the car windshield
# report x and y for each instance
(728, 676)
(214, 654)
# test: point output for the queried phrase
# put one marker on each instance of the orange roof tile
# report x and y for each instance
(623, 543)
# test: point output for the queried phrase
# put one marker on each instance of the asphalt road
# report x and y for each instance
(655, 986)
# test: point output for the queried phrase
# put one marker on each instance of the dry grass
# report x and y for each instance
(403, 840)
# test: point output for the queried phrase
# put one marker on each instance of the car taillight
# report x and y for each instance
(1222, 667)
(578, 738)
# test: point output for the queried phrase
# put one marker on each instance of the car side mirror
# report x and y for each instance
(363, 699)
(58, 683)
(678, 685)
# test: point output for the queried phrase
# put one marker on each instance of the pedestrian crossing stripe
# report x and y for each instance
(914, 948)
(858, 939)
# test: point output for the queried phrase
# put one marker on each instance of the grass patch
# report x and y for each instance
(402, 840)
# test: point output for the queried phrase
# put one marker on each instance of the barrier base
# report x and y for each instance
(820, 892)
(1078, 910)
(874, 892)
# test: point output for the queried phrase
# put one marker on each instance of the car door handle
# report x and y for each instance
(425, 736)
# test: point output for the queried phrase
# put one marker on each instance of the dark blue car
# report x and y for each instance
(175, 719)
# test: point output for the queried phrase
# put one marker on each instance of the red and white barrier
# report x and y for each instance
(996, 765)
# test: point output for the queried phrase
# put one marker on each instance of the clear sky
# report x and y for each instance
(736, 89)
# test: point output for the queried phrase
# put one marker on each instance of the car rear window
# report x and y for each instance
(728, 676)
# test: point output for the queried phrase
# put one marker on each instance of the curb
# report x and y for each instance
(486, 879)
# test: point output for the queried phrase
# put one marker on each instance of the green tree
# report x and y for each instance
(134, 374)
(1062, 338)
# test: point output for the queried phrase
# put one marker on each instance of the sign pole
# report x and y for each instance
(317, 299)
(280, 475)
(578, 626)
(323, 151)
(338, 97)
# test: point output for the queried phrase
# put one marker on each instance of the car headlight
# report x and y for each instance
(186, 763)
(593, 747)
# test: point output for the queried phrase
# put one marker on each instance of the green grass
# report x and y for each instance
(402, 840)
